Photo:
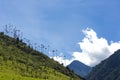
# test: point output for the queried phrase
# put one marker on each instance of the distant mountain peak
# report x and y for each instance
(79, 68)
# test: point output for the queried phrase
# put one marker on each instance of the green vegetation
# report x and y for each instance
(20, 62)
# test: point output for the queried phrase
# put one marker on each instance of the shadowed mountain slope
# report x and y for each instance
(108, 69)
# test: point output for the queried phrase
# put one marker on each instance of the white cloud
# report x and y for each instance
(94, 49)
(61, 60)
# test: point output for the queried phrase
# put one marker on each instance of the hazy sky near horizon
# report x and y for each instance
(64, 24)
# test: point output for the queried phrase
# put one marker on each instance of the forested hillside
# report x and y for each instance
(18, 61)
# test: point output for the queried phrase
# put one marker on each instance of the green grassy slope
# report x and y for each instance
(20, 62)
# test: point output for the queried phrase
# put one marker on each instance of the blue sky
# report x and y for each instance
(59, 23)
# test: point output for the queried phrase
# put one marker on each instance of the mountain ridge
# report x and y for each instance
(109, 69)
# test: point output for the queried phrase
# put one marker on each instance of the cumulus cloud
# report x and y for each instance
(94, 49)
(62, 60)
